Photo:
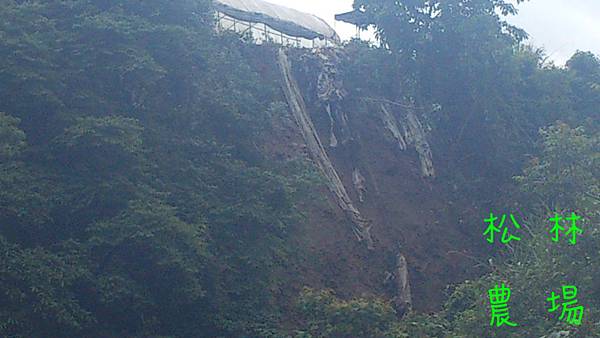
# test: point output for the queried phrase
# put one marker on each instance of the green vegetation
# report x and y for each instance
(135, 199)
(535, 268)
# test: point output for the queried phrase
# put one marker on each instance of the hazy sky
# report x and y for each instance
(559, 26)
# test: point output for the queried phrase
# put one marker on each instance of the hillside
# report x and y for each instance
(160, 179)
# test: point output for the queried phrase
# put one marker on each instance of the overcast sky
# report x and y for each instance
(559, 26)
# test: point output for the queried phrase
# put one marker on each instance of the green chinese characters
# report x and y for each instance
(571, 311)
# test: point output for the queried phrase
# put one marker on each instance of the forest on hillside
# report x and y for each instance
(154, 184)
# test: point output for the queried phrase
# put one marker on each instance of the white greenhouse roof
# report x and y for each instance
(283, 19)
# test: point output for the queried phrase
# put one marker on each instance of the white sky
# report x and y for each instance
(561, 27)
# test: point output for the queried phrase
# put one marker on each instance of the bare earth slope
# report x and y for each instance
(422, 218)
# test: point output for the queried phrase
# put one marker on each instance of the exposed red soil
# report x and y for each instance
(436, 231)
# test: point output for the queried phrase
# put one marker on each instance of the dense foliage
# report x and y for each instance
(133, 199)
(494, 91)
(135, 202)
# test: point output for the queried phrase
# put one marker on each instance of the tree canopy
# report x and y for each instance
(137, 198)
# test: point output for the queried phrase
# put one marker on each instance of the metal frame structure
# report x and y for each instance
(261, 33)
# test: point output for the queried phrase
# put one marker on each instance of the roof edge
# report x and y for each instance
(285, 26)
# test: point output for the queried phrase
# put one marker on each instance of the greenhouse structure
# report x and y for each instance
(266, 22)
